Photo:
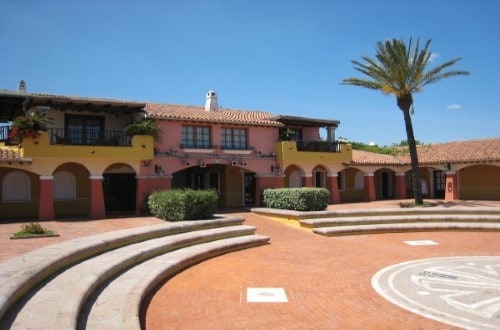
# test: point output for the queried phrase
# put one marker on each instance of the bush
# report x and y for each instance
(32, 229)
(297, 199)
(183, 204)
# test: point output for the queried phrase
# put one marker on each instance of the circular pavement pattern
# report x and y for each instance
(460, 291)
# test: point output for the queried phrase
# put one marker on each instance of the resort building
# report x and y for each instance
(83, 163)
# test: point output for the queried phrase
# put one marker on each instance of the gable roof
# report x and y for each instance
(470, 151)
(198, 114)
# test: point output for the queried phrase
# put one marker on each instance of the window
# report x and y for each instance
(341, 180)
(16, 187)
(195, 137)
(86, 130)
(234, 138)
(64, 186)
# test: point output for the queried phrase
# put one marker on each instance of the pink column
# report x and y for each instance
(333, 187)
(307, 181)
(264, 182)
(400, 186)
(451, 188)
(46, 205)
(145, 185)
(369, 189)
(97, 208)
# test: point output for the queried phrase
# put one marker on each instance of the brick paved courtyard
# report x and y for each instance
(326, 280)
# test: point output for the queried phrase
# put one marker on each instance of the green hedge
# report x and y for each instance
(297, 199)
(183, 204)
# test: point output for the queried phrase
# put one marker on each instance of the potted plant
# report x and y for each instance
(28, 126)
(144, 126)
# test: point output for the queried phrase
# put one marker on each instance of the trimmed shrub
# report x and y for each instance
(297, 199)
(183, 204)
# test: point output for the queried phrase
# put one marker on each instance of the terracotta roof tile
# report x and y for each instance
(485, 150)
(197, 113)
(370, 158)
(470, 151)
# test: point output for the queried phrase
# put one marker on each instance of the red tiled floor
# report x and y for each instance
(327, 280)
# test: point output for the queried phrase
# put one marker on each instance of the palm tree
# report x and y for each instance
(401, 70)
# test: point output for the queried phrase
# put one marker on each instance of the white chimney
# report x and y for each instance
(211, 102)
(21, 87)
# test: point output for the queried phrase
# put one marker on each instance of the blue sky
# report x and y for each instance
(282, 56)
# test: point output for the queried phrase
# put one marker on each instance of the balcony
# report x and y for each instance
(89, 137)
(315, 151)
(111, 145)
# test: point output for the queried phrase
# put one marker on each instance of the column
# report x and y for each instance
(263, 182)
(307, 180)
(451, 187)
(145, 185)
(333, 187)
(400, 186)
(369, 187)
(97, 207)
(46, 204)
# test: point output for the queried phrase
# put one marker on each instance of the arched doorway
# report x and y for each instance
(71, 190)
(119, 187)
(293, 177)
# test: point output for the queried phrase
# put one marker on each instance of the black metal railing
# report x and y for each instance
(89, 136)
(319, 146)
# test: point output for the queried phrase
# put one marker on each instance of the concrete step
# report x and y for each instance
(298, 215)
(117, 305)
(56, 303)
(19, 275)
(403, 218)
(404, 227)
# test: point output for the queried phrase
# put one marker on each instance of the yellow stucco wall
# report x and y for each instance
(287, 151)
(141, 148)
(479, 182)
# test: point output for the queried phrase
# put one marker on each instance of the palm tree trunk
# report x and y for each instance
(412, 146)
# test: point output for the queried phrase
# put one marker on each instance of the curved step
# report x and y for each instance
(343, 221)
(57, 303)
(404, 227)
(118, 305)
(299, 215)
(19, 275)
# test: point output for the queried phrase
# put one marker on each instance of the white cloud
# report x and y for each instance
(454, 106)
(433, 57)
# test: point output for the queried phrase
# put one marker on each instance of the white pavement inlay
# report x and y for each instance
(266, 295)
(461, 291)
(421, 242)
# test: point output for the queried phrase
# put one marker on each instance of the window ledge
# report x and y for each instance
(237, 151)
(198, 150)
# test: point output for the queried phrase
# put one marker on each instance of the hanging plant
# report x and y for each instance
(29, 126)
(145, 126)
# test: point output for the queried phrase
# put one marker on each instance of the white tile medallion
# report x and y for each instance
(266, 295)
(421, 242)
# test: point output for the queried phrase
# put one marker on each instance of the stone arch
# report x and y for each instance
(293, 176)
(16, 187)
(119, 188)
(384, 183)
(319, 174)
(71, 189)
